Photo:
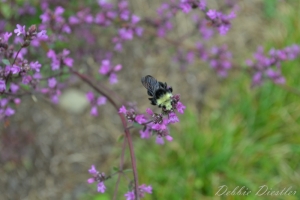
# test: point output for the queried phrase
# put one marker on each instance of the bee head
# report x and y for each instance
(159, 93)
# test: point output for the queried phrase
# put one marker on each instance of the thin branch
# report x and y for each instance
(121, 169)
(17, 55)
(124, 122)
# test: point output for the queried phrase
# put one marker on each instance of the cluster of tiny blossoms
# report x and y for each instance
(154, 123)
(110, 14)
(108, 70)
(95, 102)
(213, 18)
(100, 177)
(15, 70)
(269, 66)
(219, 58)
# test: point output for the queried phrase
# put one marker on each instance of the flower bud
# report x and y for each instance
(32, 29)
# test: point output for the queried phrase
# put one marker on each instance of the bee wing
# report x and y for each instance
(150, 84)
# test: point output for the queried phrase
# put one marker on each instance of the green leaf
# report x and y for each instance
(5, 61)
(120, 138)
(5, 10)
(115, 168)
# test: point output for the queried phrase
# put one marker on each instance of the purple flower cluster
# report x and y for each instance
(220, 20)
(60, 59)
(100, 177)
(220, 60)
(187, 5)
(95, 102)
(27, 36)
(5, 109)
(53, 90)
(156, 124)
(54, 20)
(82, 16)
(15, 69)
(97, 177)
(213, 18)
(163, 24)
(127, 32)
(269, 66)
(206, 31)
(142, 190)
(107, 69)
(184, 58)
(110, 14)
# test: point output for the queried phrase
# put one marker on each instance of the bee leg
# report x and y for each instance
(153, 101)
(166, 86)
(170, 89)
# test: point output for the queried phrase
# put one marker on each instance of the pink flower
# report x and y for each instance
(105, 67)
(3, 102)
(126, 34)
(113, 78)
(180, 107)
(68, 61)
(130, 195)
(36, 66)
(51, 54)
(90, 96)
(52, 82)
(212, 14)
(142, 190)
(6, 36)
(123, 110)
(14, 88)
(101, 187)
(117, 67)
(45, 17)
(140, 119)
(149, 111)
(42, 34)
(160, 126)
(73, 20)
(101, 101)
(145, 189)
(172, 118)
(135, 19)
(9, 111)
(145, 134)
(17, 101)
(94, 111)
(159, 140)
(97, 177)
(20, 30)
(93, 170)
(59, 10)
(15, 69)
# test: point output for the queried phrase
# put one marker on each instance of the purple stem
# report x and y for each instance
(124, 122)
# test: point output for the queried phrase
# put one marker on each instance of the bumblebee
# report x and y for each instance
(161, 94)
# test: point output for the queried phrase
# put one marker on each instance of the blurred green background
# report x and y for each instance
(249, 138)
(237, 136)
